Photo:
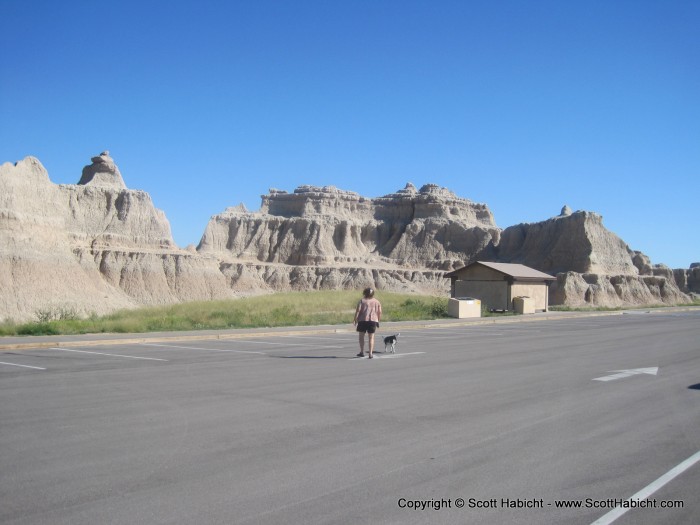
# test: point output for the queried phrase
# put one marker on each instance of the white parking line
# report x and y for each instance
(389, 356)
(333, 337)
(272, 343)
(456, 335)
(23, 366)
(649, 489)
(112, 355)
(207, 349)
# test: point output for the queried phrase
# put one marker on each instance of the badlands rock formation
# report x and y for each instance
(97, 246)
(576, 242)
(431, 228)
(102, 172)
(326, 238)
(688, 281)
(594, 267)
(90, 248)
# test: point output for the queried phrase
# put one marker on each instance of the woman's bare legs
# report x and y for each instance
(362, 343)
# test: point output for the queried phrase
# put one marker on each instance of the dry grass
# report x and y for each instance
(280, 309)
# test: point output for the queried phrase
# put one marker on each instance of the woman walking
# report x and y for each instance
(367, 316)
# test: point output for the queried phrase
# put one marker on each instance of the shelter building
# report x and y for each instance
(498, 284)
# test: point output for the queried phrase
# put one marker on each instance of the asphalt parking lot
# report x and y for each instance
(555, 421)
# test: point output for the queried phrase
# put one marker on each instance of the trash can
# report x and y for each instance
(462, 307)
(524, 305)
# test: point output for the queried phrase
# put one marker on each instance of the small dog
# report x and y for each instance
(390, 343)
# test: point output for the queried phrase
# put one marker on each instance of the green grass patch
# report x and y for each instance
(274, 310)
(587, 308)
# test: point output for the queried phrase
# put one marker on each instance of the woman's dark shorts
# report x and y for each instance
(367, 326)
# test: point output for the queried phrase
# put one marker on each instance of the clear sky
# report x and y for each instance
(523, 105)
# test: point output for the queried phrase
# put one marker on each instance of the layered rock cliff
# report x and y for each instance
(594, 267)
(576, 242)
(90, 248)
(428, 228)
(97, 246)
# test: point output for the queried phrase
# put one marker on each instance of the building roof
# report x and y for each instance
(519, 272)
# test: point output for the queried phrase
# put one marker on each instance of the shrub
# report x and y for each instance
(439, 308)
(56, 313)
(38, 329)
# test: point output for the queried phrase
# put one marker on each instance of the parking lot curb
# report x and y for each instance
(35, 342)
(113, 339)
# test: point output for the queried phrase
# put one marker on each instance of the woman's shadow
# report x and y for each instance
(305, 356)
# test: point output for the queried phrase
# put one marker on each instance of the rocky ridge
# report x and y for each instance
(430, 228)
(97, 246)
(90, 248)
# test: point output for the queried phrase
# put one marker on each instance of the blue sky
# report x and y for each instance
(522, 105)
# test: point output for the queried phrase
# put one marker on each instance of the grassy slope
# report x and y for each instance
(280, 309)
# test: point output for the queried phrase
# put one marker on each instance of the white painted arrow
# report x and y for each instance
(621, 374)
